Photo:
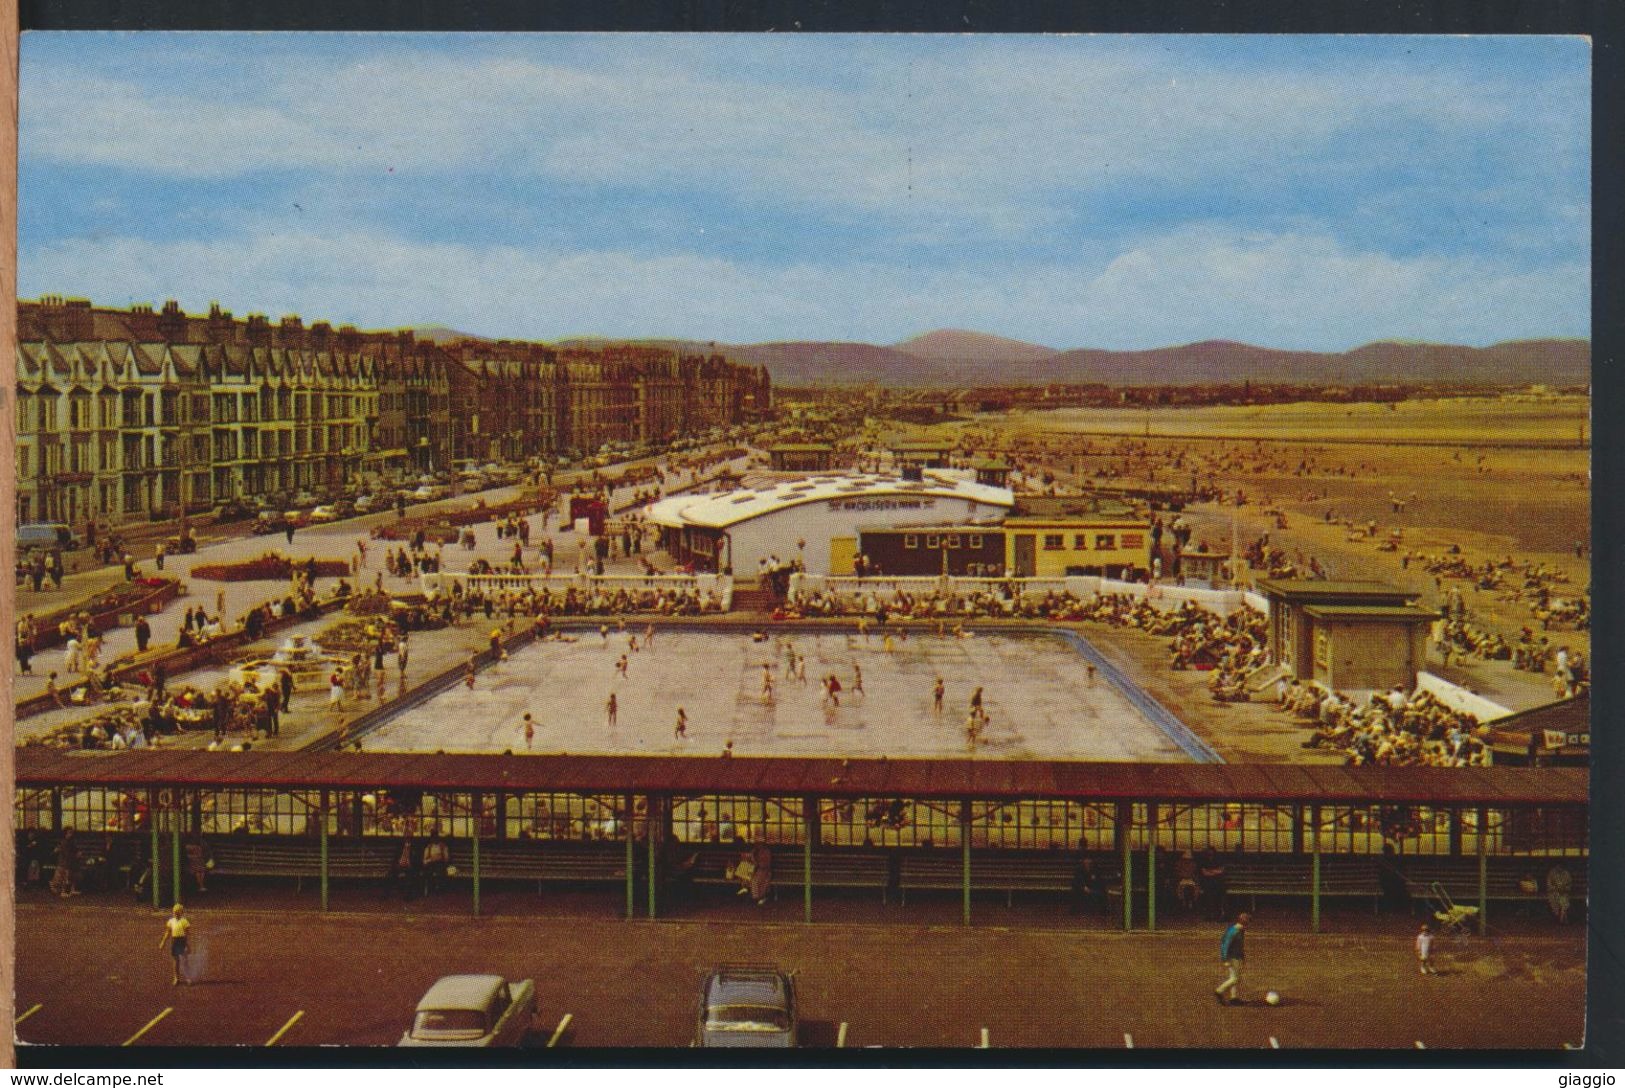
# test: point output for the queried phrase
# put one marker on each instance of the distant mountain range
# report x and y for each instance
(948, 358)
(957, 358)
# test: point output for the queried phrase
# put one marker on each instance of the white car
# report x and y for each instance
(323, 514)
(428, 493)
(473, 1010)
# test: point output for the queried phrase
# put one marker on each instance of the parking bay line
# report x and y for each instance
(558, 1032)
(29, 1013)
(283, 1030)
(984, 1045)
(840, 1036)
(1275, 1044)
(1128, 1041)
(150, 1025)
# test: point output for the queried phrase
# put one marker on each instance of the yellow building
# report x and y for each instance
(1054, 536)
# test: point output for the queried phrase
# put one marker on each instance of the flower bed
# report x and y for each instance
(269, 567)
(442, 526)
(144, 595)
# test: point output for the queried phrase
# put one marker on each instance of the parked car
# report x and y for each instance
(50, 537)
(747, 1005)
(473, 1010)
(305, 498)
(324, 514)
(235, 510)
(428, 493)
(364, 504)
(269, 521)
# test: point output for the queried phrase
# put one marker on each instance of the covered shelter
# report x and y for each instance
(1557, 734)
(802, 457)
(919, 825)
(1204, 569)
(922, 454)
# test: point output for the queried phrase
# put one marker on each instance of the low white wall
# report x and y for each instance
(1161, 595)
(716, 584)
(1459, 698)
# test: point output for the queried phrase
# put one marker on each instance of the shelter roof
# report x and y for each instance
(827, 777)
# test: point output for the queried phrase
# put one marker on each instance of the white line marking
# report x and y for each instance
(1275, 1044)
(1128, 1040)
(840, 1036)
(29, 1013)
(984, 1039)
(292, 1020)
(558, 1032)
(150, 1025)
(1419, 1045)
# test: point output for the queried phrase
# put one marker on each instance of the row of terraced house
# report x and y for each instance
(141, 412)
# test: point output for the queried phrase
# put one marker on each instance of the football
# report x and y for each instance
(1272, 998)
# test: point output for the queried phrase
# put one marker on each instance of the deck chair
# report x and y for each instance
(1455, 919)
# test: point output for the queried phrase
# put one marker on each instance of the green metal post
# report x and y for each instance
(175, 849)
(322, 816)
(964, 872)
(1151, 869)
(652, 823)
(1125, 821)
(157, 849)
(631, 863)
(476, 867)
(1314, 869)
(809, 836)
(1483, 868)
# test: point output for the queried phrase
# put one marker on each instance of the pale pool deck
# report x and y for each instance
(1038, 695)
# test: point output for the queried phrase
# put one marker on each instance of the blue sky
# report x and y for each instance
(1075, 191)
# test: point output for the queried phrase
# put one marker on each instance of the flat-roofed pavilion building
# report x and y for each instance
(1347, 635)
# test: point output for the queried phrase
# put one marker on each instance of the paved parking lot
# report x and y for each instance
(93, 975)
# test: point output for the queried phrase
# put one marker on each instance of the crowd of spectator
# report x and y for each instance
(466, 602)
(1390, 728)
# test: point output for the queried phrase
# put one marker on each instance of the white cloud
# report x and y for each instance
(998, 133)
(1283, 290)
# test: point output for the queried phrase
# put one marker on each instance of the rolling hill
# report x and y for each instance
(1210, 362)
(966, 346)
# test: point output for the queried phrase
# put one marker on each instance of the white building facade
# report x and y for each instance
(815, 519)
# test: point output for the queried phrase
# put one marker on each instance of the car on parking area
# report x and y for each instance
(364, 504)
(473, 1010)
(324, 514)
(747, 1005)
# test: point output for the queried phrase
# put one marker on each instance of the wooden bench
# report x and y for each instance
(844, 869)
(1503, 881)
(1292, 877)
(302, 858)
(545, 862)
(1009, 873)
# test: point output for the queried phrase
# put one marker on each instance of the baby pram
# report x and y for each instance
(1455, 919)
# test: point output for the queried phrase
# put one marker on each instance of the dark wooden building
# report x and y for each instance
(972, 551)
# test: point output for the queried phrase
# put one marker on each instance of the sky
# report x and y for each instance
(1123, 192)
